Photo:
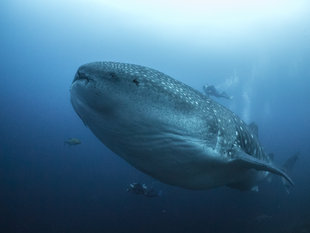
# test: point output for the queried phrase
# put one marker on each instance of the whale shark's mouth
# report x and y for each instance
(82, 78)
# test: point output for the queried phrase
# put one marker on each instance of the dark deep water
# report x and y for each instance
(48, 187)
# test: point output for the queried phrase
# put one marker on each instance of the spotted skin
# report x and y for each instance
(163, 127)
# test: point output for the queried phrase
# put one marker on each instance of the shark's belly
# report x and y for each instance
(168, 146)
(167, 155)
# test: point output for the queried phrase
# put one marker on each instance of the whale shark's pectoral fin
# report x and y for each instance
(247, 161)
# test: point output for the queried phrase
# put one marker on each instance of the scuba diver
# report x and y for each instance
(211, 90)
(142, 189)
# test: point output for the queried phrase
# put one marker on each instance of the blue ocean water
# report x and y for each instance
(48, 187)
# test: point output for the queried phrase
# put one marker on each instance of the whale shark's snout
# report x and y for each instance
(107, 73)
(96, 91)
(85, 74)
(105, 81)
(81, 76)
(107, 93)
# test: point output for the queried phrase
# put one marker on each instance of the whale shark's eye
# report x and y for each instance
(135, 81)
(113, 75)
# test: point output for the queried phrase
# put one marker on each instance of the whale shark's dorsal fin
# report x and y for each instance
(246, 161)
(254, 128)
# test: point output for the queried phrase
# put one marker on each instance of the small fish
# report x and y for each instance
(72, 142)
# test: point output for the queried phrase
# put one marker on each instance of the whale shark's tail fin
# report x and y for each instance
(288, 168)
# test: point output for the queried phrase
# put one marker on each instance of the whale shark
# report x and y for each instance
(169, 130)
